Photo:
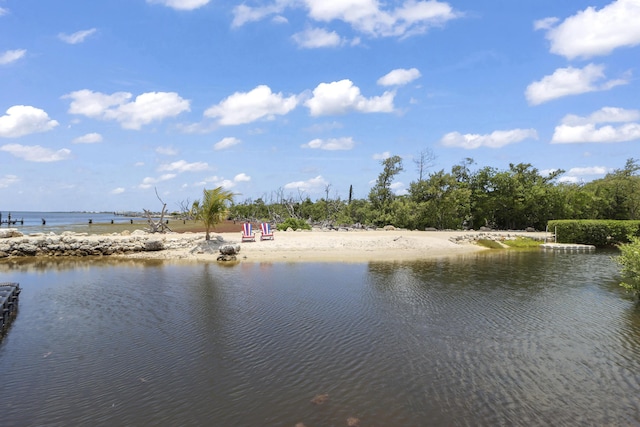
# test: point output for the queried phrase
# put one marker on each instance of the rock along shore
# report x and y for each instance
(14, 244)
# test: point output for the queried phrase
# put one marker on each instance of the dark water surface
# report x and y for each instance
(516, 338)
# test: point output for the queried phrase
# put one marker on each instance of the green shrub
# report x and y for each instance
(629, 259)
(295, 224)
(594, 232)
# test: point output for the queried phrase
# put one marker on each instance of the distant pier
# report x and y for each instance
(9, 221)
(9, 293)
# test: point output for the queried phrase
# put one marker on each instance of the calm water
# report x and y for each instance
(521, 338)
(31, 222)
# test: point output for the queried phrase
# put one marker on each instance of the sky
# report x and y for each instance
(105, 103)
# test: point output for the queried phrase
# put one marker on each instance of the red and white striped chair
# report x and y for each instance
(247, 233)
(265, 231)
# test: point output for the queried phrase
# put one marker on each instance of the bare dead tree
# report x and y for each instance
(424, 161)
(159, 225)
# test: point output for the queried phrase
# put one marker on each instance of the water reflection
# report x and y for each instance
(518, 338)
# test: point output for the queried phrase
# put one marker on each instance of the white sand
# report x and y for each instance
(348, 246)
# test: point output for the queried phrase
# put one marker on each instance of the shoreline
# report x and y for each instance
(331, 246)
(288, 246)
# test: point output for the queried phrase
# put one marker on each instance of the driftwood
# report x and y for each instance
(159, 225)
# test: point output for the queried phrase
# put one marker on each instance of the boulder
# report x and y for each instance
(7, 233)
(230, 249)
(153, 245)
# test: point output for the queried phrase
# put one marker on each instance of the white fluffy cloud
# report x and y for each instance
(591, 170)
(149, 182)
(496, 139)
(381, 156)
(118, 190)
(399, 77)
(36, 153)
(331, 144)
(181, 4)
(312, 185)
(570, 81)
(9, 56)
(364, 16)
(181, 166)
(313, 38)
(247, 107)
(225, 143)
(576, 129)
(243, 14)
(90, 138)
(593, 32)
(220, 181)
(144, 109)
(21, 120)
(77, 37)
(242, 177)
(342, 97)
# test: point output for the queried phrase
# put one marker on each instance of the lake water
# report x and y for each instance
(509, 338)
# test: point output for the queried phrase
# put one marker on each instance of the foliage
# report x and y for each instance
(594, 232)
(629, 260)
(381, 195)
(214, 207)
(294, 224)
(463, 197)
(523, 243)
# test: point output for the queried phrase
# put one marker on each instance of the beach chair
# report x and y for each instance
(247, 233)
(265, 231)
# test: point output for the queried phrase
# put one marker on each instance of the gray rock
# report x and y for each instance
(7, 233)
(153, 245)
(230, 249)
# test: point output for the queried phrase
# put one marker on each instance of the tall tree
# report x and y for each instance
(214, 207)
(381, 195)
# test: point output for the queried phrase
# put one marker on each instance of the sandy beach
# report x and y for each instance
(333, 246)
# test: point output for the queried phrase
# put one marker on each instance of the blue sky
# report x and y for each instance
(102, 102)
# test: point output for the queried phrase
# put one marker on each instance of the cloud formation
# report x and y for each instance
(8, 180)
(343, 96)
(90, 138)
(399, 77)
(225, 143)
(312, 185)
(36, 153)
(77, 37)
(313, 38)
(331, 144)
(21, 120)
(181, 4)
(181, 166)
(593, 32)
(496, 139)
(570, 81)
(144, 109)
(9, 56)
(364, 16)
(246, 107)
(576, 129)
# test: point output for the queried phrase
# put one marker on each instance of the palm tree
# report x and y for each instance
(214, 207)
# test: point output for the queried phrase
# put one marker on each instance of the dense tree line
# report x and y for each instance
(516, 198)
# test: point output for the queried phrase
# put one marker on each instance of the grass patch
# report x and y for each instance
(491, 244)
(523, 243)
